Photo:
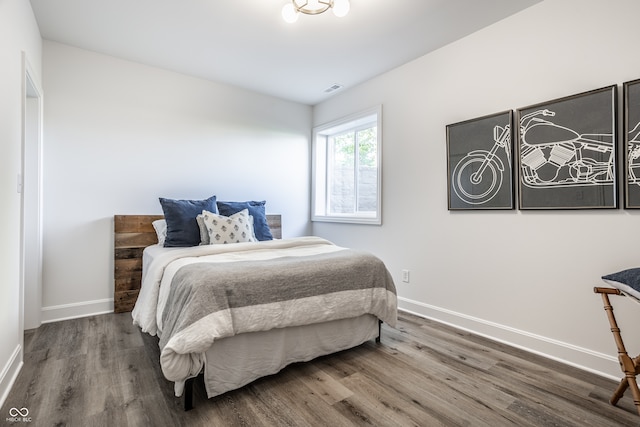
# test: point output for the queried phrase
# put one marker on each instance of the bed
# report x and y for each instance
(253, 332)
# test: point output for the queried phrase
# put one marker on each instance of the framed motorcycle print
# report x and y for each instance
(631, 94)
(567, 152)
(479, 163)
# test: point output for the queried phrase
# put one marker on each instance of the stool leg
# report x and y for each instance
(630, 372)
(633, 385)
(622, 387)
(627, 364)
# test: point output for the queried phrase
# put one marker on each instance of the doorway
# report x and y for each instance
(30, 187)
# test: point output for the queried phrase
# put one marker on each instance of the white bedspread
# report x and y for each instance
(157, 274)
(185, 359)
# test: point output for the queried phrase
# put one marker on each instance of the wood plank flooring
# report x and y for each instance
(102, 371)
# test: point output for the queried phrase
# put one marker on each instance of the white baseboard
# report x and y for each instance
(9, 374)
(57, 313)
(579, 357)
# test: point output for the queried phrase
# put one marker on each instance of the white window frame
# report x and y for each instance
(320, 173)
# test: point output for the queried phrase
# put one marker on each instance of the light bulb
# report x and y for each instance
(341, 8)
(289, 13)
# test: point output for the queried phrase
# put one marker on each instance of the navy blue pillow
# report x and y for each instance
(256, 209)
(182, 227)
(627, 281)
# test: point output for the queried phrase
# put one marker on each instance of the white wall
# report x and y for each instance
(18, 33)
(118, 135)
(521, 277)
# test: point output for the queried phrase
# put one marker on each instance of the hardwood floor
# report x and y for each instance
(102, 371)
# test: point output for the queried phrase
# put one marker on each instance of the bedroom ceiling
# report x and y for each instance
(246, 42)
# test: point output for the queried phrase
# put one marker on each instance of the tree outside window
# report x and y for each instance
(346, 170)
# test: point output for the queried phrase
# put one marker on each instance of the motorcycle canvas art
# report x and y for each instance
(480, 163)
(631, 92)
(554, 155)
(567, 152)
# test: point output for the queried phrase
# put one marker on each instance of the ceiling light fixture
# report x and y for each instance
(291, 11)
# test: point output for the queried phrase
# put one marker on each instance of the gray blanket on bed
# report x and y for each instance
(208, 302)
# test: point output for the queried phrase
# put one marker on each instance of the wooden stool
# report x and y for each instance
(630, 367)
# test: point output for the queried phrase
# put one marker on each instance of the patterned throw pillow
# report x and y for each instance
(228, 229)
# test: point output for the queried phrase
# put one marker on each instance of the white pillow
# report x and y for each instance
(160, 225)
(253, 230)
(204, 235)
(228, 229)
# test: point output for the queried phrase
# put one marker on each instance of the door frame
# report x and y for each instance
(29, 185)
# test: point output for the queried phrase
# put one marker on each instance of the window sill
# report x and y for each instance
(348, 219)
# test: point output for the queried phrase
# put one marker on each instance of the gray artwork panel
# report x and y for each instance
(632, 144)
(479, 156)
(567, 152)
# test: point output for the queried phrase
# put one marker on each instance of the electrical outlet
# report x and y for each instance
(405, 276)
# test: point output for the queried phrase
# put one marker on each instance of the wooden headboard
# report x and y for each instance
(133, 233)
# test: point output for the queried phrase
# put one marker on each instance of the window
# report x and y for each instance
(346, 169)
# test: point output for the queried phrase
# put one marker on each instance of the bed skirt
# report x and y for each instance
(236, 361)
